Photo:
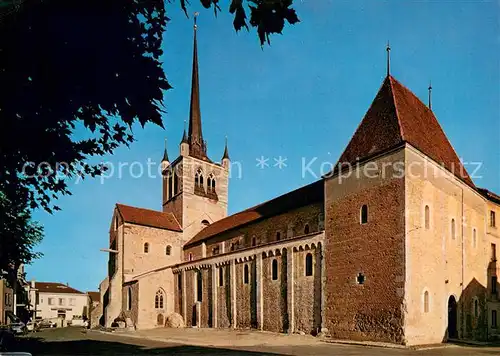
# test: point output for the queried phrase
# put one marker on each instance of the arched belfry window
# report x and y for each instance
(198, 181)
(306, 229)
(309, 264)
(170, 184)
(427, 217)
(364, 214)
(159, 299)
(176, 182)
(168, 250)
(146, 247)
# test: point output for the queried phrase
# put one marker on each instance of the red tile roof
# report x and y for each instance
(94, 296)
(148, 217)
(54, 287)
(488, 194)
(309, 194)
(397, 116)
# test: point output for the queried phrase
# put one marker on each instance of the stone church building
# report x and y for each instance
(396, 244)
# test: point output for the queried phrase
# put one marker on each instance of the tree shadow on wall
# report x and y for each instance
(37, 346)
(468, 318)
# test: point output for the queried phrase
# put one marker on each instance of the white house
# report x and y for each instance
(57, 300)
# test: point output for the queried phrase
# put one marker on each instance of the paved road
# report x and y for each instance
(74, 341)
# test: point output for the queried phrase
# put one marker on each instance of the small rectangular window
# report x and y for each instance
(492, 219)
(221, 276)
(494, 319)
(493, 252)
(179, 281)
(61, 301)
(494, 281)
(72, 301)
(51, 301)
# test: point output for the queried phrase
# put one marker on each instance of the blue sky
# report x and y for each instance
(301, 97)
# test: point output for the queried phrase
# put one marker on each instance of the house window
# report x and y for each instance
(306, 229)
(426, 302)
(427, 217)
(179, 281)
(146, 247)
(116, 222)
(199, 287)
(61, 301)
(215, 250)
(254, 241)
(245, 274)
(492, 219)
(129, 298)
(159, 299)
(309, 264)
(221, 276)
(453, 229)
(190, 256)
(275, 270)
(51, 301)
(494, 280)
(278, 236)
(476, 308)
(72, 301)
(494, 319)
(168, 250)
(364, 214)
(6, 300)
(493, 252)
(474, 239)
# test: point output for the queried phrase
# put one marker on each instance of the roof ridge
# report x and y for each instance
(359, 123)
(401, 131)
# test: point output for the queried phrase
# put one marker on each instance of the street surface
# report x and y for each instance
(77, 341)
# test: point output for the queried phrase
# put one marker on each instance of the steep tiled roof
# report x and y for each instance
(309, 194)
(94, 296)
(54, 287)
(397, 116)
(489, 195)
(148, 217)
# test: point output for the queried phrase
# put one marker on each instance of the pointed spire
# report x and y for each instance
(388, 49)
(430, 94)
(184, 134)
(226, 154)
(165, 154)
(195, 136)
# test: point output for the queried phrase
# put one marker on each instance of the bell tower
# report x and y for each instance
(195, 189)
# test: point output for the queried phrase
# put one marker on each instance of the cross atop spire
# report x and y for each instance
(430, 94)
(197, 146)
(388, 49)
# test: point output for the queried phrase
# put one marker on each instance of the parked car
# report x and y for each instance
(18, 328)
(45, 323)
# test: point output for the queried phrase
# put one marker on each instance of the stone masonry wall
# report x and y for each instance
(289, 224)
(373, 310)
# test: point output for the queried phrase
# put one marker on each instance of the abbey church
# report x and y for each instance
(405, 254)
